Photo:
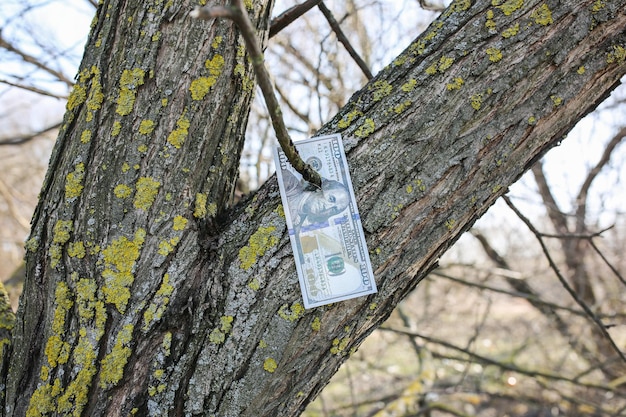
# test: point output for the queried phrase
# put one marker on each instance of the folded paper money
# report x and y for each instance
(324, 225)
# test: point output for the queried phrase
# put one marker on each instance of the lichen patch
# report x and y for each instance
(260, 241)
(119, 261)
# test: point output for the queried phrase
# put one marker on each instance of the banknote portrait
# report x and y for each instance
(308, 204)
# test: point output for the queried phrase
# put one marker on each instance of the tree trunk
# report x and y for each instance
(146, 294)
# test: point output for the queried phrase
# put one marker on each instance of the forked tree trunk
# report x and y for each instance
(147, 295)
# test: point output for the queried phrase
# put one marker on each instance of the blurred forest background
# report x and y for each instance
(526, 315)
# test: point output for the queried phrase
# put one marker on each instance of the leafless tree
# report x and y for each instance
(137, 299)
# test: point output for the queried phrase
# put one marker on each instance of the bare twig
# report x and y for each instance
(305, 118)
(406, 320)
(319, 76)
(18, 140)
(563, 281)
(236, 12)
(427, 5)
(578, 400)
(34, 61)
(15, 212)
(554, 213)
(581, 199)
(32, 89)
(587, 236)
(525, 290)
(288, 16)
(488, 361)
(531, 298)
(606, 261)
(446, 408)
(344, 40)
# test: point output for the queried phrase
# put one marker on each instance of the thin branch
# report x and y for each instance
(581, 199)
(501, 262)
(8, 198)
(561, 278)
(576, 400)
(598, 366)
(344, 40)
(236, 12)
(557, 217)
(488, 361)
(34, 61)
(291, 50)
(293, 108)
(288, 16)
(490, 251)
(587, 236)
(32, 89)
(351, 388)
(606, 261)
(406, 320)
(320, 78)
(531, 298)
(440, 406)
(18, 140)
(523, 287)
(426, 5)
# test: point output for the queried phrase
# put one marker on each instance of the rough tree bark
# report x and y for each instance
(146, 294)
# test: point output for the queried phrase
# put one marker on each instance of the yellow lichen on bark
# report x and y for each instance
(146, 127)
(366, 128)
(177, 137)
(159, 303)
(258, 244)
(348, 118)
(494, 54)
(200, 209)
(129, 82)
(542, 15)
(291, 314)
(122, 191)
(74, 182)
(119, 260)
(618, 55)
(112, 365)
(508, 6)
(60, 235)
(147, 189)
(270, 365)
(179, 223)
(218, 334)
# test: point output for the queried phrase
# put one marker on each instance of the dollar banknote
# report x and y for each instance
(324, 225)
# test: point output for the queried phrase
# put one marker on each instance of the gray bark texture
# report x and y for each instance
(146, 294)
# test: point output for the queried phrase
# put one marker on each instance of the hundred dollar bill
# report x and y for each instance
(324, 225)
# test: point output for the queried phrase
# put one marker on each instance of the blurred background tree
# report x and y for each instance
(525, 315)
